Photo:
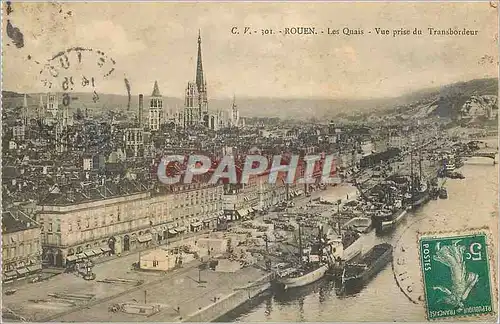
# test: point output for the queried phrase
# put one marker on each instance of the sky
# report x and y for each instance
(158, 41)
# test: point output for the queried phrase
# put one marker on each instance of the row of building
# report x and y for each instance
(68, 226)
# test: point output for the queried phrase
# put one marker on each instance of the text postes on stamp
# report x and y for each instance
(456, 275)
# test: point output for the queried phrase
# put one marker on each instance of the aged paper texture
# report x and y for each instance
(256, 162)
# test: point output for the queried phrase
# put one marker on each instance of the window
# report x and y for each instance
(50, 227)
(155, 263)
(58, 227)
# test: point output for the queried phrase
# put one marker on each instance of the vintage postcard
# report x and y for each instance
(249, 162)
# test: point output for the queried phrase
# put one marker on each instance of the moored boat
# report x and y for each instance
(443, 193)
(385, 220)
(357, 274)
(343, 249)
(298, 277)
(420, 196)
(455, 175)
(359, 224)
(397, 215)
(450, 167)
(313, 264)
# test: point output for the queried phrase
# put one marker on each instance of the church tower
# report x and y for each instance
(196, 98)
(201, 84)
(155, 109)
(235, 114)
(192, 114)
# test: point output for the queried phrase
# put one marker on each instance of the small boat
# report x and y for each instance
(455, 175)
(359, 224)
(443, 193)
(357, 274)
(326, 202)
(10, 291)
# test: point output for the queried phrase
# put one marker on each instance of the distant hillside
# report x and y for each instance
(453, 97)
(11, 94)
(446, 102)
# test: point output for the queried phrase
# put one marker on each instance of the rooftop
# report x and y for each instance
(15, 220)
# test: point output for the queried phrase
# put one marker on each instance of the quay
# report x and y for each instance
(178, 295)
(186, 294)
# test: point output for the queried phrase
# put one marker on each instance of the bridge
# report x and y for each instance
(490, 155)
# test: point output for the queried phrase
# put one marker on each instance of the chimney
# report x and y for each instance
(141, 107)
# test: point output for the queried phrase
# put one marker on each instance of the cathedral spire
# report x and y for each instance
(200, 84)
(156, 90)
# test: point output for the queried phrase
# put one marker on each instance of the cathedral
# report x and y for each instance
(195, 97)
(196, 110)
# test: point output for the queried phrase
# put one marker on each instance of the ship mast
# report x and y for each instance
(412, 182)
(300, 244)
(420, 165)
(268, 259)
(320, 241)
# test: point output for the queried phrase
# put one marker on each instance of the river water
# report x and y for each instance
(472, 202)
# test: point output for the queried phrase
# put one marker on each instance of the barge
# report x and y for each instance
(357, 274)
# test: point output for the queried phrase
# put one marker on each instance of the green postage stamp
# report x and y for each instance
(456, 275)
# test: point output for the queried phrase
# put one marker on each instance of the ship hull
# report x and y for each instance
(308, 278)
(386, 224)
(352, 251)
(373, 267)
(421, 200)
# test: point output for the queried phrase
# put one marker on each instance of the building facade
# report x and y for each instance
(155, 109)
(134, 142)
(111, 226)
(21, 246)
